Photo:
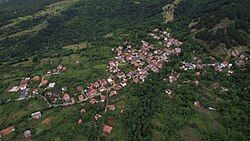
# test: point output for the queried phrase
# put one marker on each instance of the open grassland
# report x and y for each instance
(49, 11)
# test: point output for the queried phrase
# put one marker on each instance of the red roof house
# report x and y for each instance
(92, 92)
(107, 129)
(66, 97)
(7, 131)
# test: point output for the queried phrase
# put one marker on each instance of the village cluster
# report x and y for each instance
(142, 61)
(139, 61)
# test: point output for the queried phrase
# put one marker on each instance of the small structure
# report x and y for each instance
(27, 134)
(103, 97)
(112, 93)
(36, 78)
(92, 101)
(7, 131)
(168, 91)
(211, 108)
(36, 115)
(64, 88)
(81, 97)
(111, 107)
(64, 69)
(198, 104)
(97, 116)
(107, 129)
(83, 111)
(102, 89)
(35, 91)
(14, 89)
(92, 92)
(52, 85)
(79, 121)
(80, 89)
(66, 97)
(44, 82)
(23, 94)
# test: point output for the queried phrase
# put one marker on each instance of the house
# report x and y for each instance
(27, 134)
(64, 69)
(83, 111)
(103, 97)
(107, 129)
(110, 80)
(35, 91)
(52, 85)
(224, 63)
(14, 89)
(81, 97)
(172, 79)
(218, 68)
(240, 63)
(197, 82)
(198, 104)
(36, 78)
(7, 131)
(211, 108)
(136, 80)
(112, 93)
(103, 82)
(197, 74)
(79, 121)
(97, 116)
(23, 82)
(168, 91)
(123, 83)
(92, 92)
(121, 75)
(111, 107)
(96, 84)
(44, 82)
(102, 88)
(59, 67)
(80, 89)
(23, 87)
(66, 97)
(49, 72)
(23, 94)
(64, 88)
(93, 101)
(36, 115)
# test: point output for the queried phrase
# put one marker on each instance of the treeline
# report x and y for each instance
(146, 101)
(207, 15)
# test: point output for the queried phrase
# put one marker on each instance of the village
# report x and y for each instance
(140, 63)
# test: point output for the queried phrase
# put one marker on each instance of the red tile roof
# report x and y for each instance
(92, 92)
(7, 131)
(36, 78)
(81, 97)
(92, 101)
(44, 82)
(66, 97)
(107, 129)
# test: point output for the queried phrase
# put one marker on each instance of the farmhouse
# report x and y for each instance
(107, 129)
(7, 131)
(36, 115)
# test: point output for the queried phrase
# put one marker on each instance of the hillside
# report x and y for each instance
(124, 70)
